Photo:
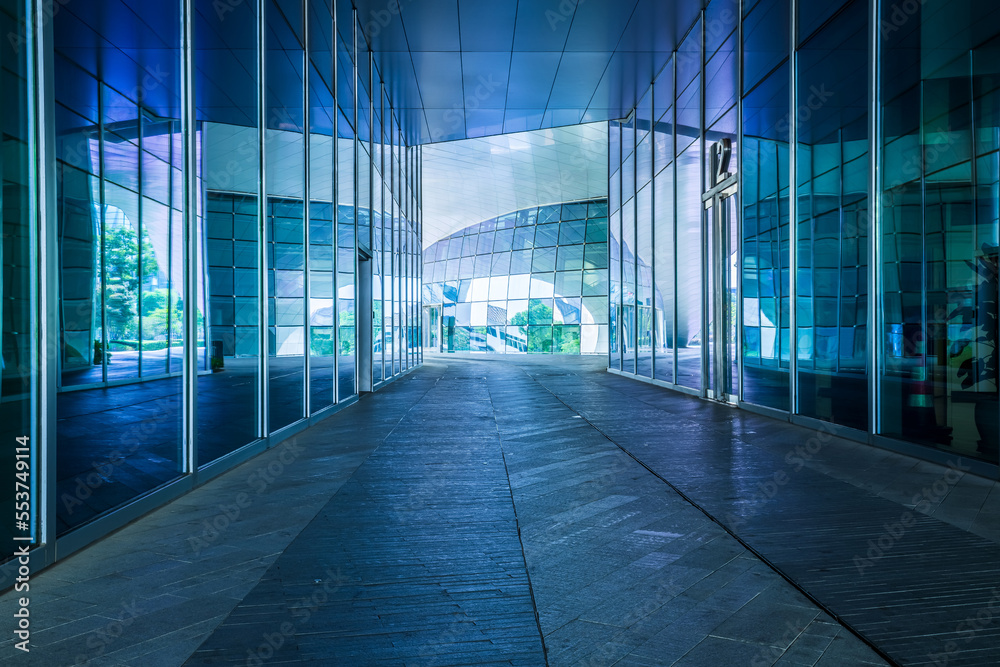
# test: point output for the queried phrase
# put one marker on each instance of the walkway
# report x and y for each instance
(495, 511)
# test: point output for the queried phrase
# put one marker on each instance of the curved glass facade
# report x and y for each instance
(531, 281)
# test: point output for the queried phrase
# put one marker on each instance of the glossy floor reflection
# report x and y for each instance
(538, 510)
(117, 443)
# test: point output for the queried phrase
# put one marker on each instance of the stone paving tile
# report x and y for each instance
(424, 545)
(812, 525)
(410, 535)
(183, 589)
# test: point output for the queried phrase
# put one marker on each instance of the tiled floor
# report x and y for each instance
(538, 511)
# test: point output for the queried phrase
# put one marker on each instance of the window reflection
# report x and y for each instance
(832, 161)
(120, 275)
(528, 300)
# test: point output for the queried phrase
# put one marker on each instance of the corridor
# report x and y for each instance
(526, 510)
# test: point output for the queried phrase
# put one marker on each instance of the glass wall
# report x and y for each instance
(832, 215)
(691, 323)
(210, 254)
(764, 205)
(939, 233)
(892, 331)
(663, 227)
(535, 281)
(17, 364)
(121, 261)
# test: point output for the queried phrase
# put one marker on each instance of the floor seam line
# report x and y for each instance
(517, 523)
(725, 528)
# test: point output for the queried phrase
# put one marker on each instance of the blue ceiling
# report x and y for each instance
(459, 69)
(455, 69)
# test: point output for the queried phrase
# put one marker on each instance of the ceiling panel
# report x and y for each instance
(449, 64)
(431, 26)
(577, 79)
(487, 26)
(542, 63)
(469, 181)
(485, 79)
(531, 77)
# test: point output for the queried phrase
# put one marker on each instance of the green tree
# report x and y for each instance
(121, 270)
(538, 313)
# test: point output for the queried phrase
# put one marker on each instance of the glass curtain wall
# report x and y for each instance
(345, 197)
(121, 259)
(832, 218)
(615, 245)
(892, 331)
(535, 280)
(17, 367)
(285, 210)
(663, 227)
(691, 334)
(271, 163)
(939, 236)
(231, 143)
(322, 232)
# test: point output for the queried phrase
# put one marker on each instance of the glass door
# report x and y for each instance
(723, 301)
(721, 279)
(432, 328)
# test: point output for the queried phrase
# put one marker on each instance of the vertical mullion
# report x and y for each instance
(707, 365)
(793, 223)
(44, 242)
(371, 206)
(262, 209)
(652, 230)
(354, 161)
(139, 230)
(673, 141)
(306, 216)
(189, 221)
(335, 194)
(840, 254)
(102, 225)
(738, 221)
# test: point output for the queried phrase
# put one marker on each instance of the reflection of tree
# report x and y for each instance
(346, 323)
(537, 313)
(121, 290)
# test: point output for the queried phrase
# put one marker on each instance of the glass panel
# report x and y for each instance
(322, 243)
(17, 273)
(285, 162)
(644, 288)
(940, 230)
(664, 258)
(690, 335)
(832, 164)
(764, 199)
(119, 270)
